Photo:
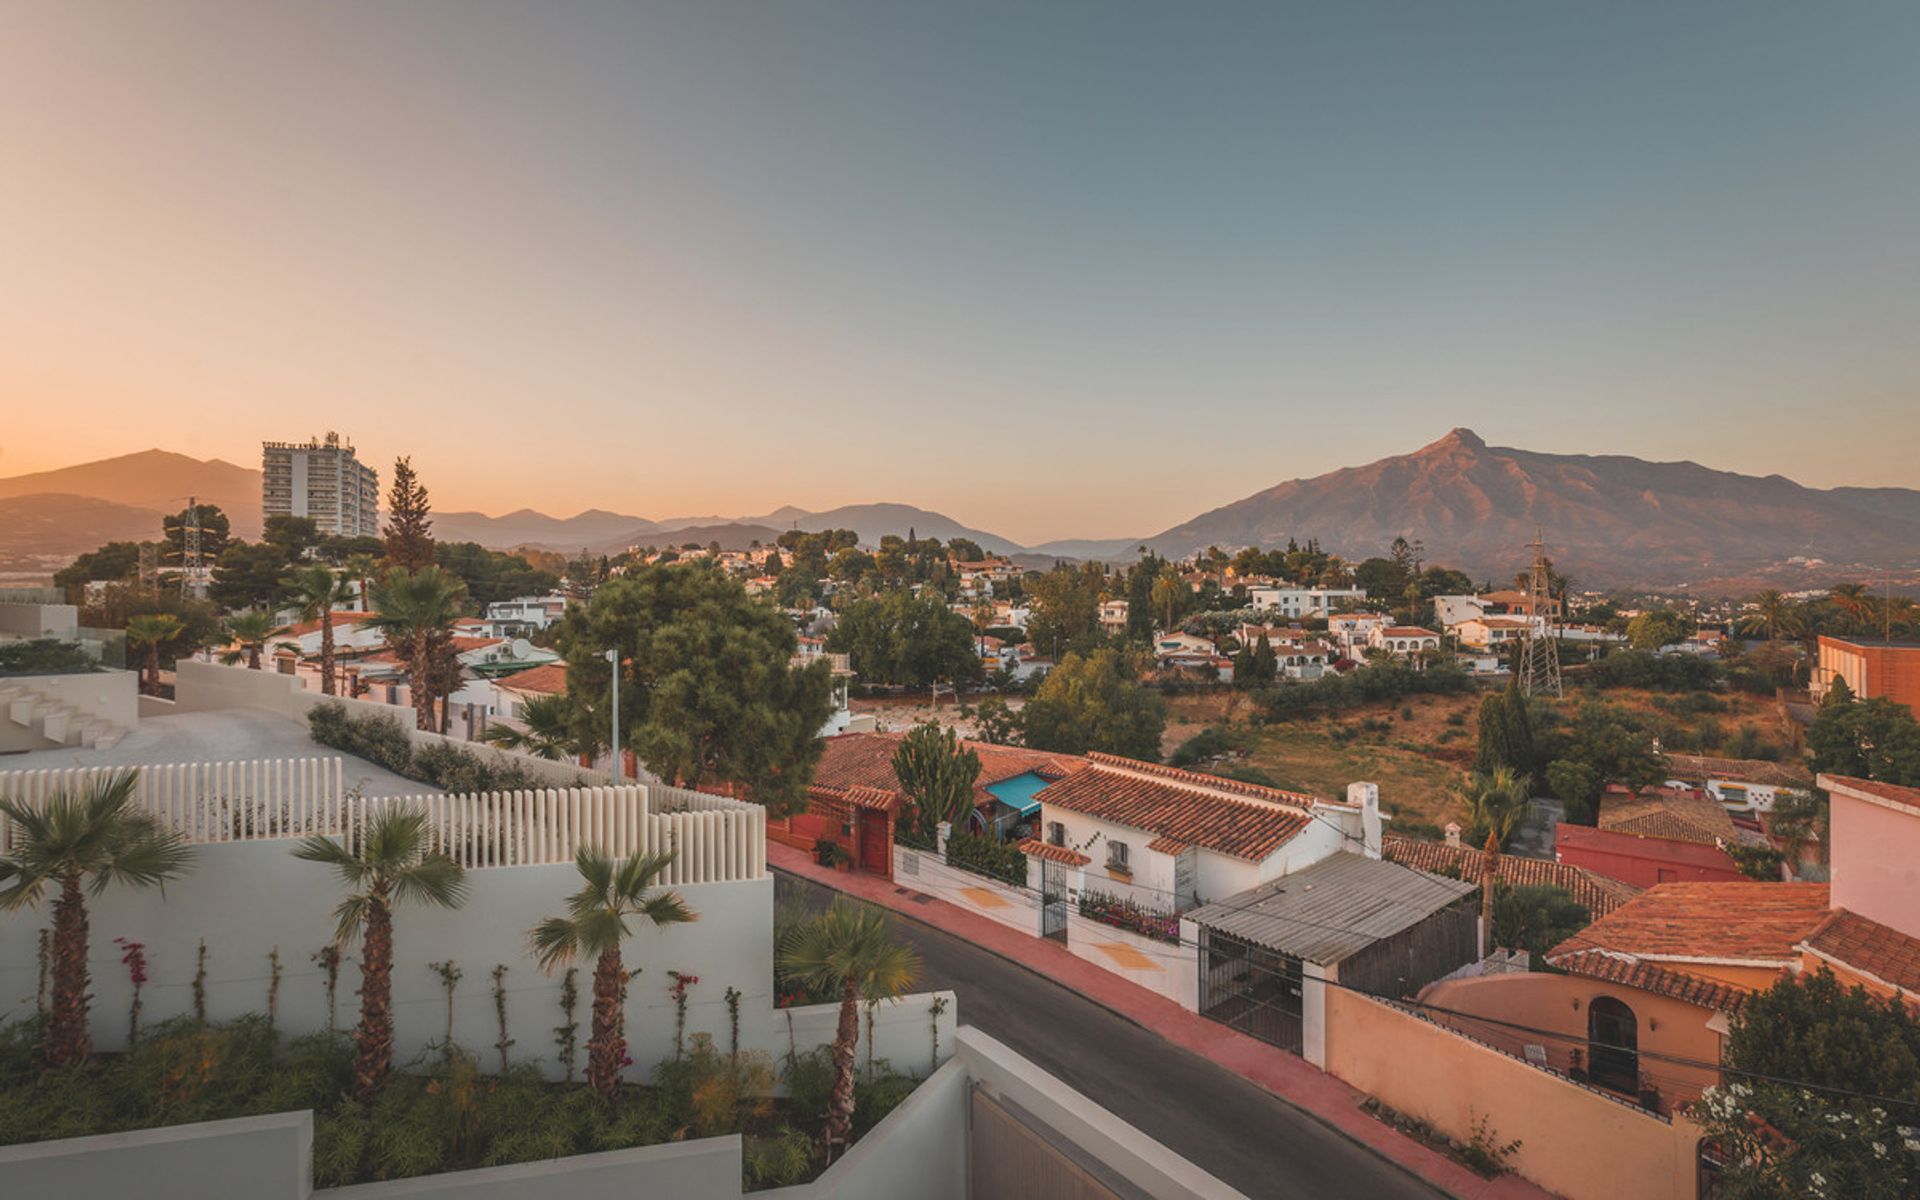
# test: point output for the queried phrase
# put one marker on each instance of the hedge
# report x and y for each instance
(385, 742)
(984, 856)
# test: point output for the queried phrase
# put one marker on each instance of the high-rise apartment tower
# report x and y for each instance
(321, 479)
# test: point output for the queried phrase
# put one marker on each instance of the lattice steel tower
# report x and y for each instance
(190, 549)
(1538, 671)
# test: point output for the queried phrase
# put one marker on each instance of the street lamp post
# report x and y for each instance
(613, 657)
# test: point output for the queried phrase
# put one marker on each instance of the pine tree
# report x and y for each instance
(410, 520)
(1506, 734)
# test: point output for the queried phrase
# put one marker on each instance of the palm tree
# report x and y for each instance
(149, 631)
(416, 611)
(545, 730)
(1494, 803)
(250, 630)
(850, 948)
(361, 568)
(393, 863)
(1772, 615)
(1855, 603)
(1165, 594)
(316, 592)
(595, 925)
(93, 837)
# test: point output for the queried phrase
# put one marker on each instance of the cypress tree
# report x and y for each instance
(410, 520)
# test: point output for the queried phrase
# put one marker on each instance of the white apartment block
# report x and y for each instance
(1304, 602)
(322, 479)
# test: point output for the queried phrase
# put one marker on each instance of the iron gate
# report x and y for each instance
(1053, 900)
(1250, 988)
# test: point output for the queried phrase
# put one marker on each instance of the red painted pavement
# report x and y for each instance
(1287, 1076)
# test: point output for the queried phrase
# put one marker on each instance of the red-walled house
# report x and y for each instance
(1669, 835)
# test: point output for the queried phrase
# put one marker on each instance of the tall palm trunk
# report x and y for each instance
(373, 1037)
(607, 1045)
(326, 653)
(420, 682)
(68, 1040)
(846, 1041)
(153, 668)
(253, 657)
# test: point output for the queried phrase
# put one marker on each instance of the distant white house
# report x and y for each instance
(1402, 641)
(1113, 616)
(523, 613)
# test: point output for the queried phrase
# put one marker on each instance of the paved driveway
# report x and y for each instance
(1242, 1134)
(219, 736)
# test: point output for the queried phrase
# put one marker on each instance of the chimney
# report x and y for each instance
(1367, 796)
(1453, 834)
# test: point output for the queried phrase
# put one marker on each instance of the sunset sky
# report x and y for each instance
(1056, 268)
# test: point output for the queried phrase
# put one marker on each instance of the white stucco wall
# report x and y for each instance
(1160, 966)
(110, 695)
(923, 871)
(261, 1158)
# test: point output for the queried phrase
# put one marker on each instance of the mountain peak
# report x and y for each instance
(1458, 438)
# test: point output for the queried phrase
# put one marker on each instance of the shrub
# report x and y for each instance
(984, 856)
(384, 741)
(809, 1079)
(1128, 915)
(780, 1159)
(876, 1096)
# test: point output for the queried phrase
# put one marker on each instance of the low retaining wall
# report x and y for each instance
(262, 1158)
(924, 871)
(1573, 1141)
(1172, 970)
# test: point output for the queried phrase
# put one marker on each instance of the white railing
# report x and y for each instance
(210, 801)
(714, 839)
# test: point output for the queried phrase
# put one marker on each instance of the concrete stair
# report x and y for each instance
(59, 723)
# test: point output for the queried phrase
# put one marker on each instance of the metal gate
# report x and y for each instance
(1251, 988)
(1053, 900)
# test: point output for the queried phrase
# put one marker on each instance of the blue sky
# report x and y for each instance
(1058, 269)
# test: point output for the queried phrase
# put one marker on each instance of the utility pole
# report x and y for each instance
(613, 657)
(1539, 666)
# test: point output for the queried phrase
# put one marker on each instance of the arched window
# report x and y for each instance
(1613, 1040)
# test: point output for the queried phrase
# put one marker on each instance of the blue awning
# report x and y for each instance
(1020, 793)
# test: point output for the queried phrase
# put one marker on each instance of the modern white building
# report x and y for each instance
(1304, 602)
(320, 478)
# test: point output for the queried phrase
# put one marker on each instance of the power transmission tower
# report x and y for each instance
(1539, 668)
(190, 549)
(149, 569)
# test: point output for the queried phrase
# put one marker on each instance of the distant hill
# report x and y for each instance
(39, 532)
(526, 527)
(874, 521)
(1607, 519)
(159, 480)
(732, 535)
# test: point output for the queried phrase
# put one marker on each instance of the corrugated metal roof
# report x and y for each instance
(1339, 905)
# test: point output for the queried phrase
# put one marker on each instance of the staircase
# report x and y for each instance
(59, 723)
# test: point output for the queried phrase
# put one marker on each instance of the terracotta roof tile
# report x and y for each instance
(1649, 977)
(1194, 810)
(547, 679)
(1668, 813)
(1901, 797)
(866, 760)
(1167, 845)
(1035, 848)
(1868, 947)
(1757, 923)
(1737, 770)
(1597, 893)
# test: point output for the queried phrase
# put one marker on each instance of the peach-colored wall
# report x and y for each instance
(1573, 1141)
(1875, 853)
(1560, 1003)
(1757, 978)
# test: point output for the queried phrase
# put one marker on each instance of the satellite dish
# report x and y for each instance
(522, 648)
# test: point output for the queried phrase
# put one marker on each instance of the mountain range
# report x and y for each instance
(1608, 520)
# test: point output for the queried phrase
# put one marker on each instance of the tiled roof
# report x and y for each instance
(1598, 894)
(1868, 947)
(1669, 813)
(339, 617)
(1194, 810)
(866, 797)
(1035, 848)
(549, 679)
(1167, 845)
(1754, 923)
(464, 644)
(1211, 782)
(866, 760)
(1737, 770)
(1900, 797)
(1407, 631)
(1649, 977)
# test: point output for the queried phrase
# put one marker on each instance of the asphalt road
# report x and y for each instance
(1216, 1119)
